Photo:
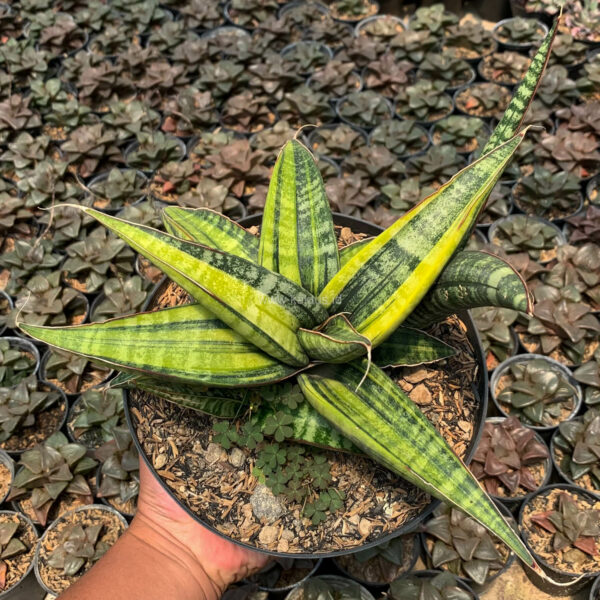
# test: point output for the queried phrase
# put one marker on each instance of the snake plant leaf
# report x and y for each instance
(381, 420)
(187, 344)
(212, 229)
(382, 284)
(309, 427)
(515, 112)
(334, 341)
(264, 307)
(350, 251)
(472, 279)
(223, 403)
(411, 347)
(297, 238)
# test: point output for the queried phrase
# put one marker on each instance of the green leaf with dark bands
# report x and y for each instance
(297, 238)
(187, 343)
(212, 229)
(381, 420)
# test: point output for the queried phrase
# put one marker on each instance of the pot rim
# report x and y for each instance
(480, 390)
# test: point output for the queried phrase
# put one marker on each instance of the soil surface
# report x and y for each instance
(112, 529)
(568, 559)
(17, 565)
(46, 423)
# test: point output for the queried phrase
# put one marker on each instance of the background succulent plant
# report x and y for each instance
(443, 586)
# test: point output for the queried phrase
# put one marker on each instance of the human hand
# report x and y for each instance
(161, 521)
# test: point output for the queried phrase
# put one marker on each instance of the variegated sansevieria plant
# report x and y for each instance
(290, 304)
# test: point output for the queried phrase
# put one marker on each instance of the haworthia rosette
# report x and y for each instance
(297, 238)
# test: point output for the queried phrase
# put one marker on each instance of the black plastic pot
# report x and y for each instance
(375, 586)
(514, 503)
(595, 591)
(27, 587)
(427, 573)
(5, 297)
(480, 588)
(16, 454)
(114, 209)
(26, 346)
(480, 390)
(519, 358)
(561, 473)
(514, 45)
(570, 583)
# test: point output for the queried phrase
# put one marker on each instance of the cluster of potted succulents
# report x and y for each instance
(128, 112)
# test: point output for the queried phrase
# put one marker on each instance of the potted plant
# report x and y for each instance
(433, 168)
(337, 78)
(567, 51)
(581, 20)
(380, 28)
(94, 415)
(353, 10)
(511, 460)
(498, 338)
(522, 233)
(403, 138)
(19, 359)
(51, 478)
(329, 586)
(364, 109)
(73, 543)
(70, 373)
(375, 163)
(485, 100)
(270, 139)
(189, 111)
(456, 72)
(583, 227)
(456, 543)
(574, 446)
(380, 565)
(435, 19)
(306, 56)
(468, 40)
(537, 389)
(589, 375)
(303, 105)
(282, 344)
(18, 541)
(249, 13)
(336, 141)
(151, 150)
(284, 574)
(506, 68)
(437, 584)
(114, 189)
(247, 113)
(519, 33)
(551, 196)
(386, 75)
(30, 413)
(413, 46)
(560, 525)
(466, 134)
(130, 118)
(118, 477)
(557, 88)
(425, 102)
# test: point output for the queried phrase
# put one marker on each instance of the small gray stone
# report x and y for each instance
(265, 505)
(213, 453)
(236, 457)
